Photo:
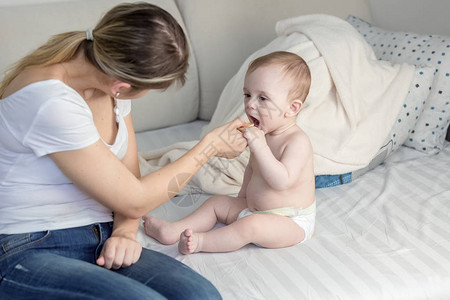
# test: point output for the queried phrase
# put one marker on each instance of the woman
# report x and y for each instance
(69, 168)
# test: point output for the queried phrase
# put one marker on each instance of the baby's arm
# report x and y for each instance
(247, 175)
(282, 174)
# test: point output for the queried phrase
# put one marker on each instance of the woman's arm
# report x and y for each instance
(122, 248)
(100, 174)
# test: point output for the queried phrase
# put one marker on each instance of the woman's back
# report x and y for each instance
(39, 119)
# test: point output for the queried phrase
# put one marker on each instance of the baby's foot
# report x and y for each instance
(189, 242)
(161, 230)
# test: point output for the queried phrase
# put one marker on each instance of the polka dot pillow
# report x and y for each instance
(429, 132)
(411, 109)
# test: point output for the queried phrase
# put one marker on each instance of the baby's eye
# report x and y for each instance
(246, 95)
(262, 98)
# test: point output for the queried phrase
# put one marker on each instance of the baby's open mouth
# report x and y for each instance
(254, 121)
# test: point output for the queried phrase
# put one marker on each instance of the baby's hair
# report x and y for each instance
(138, 43)
(293, 66)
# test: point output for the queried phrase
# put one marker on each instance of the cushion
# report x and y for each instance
(429, 133)
(225, 32)
(405, 114)
(154, 110)
(406, 120)
(413, 107)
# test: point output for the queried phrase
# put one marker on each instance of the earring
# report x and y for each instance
(116, 108)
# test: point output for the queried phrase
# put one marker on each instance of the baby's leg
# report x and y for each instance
(217, 208)
(267, 230)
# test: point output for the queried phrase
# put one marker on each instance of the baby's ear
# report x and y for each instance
(294, 108)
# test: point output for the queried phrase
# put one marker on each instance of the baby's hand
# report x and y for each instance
(256, 138)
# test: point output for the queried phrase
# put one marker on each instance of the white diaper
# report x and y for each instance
(305, 218)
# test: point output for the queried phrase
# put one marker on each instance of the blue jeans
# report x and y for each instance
(60, 264)
(325, 181)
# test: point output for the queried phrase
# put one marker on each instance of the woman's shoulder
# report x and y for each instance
(44, 88)
(39, 93)
(48, 97)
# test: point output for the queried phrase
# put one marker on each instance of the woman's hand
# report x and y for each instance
(227, 140)
(119, 252)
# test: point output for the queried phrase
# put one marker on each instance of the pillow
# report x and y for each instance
(429, 133)
(412, 109)
(403, 119)
(406, 120)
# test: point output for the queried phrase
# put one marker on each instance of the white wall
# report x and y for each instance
(26, 2)
(421, 16)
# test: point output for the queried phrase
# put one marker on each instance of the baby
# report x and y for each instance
(275, 207)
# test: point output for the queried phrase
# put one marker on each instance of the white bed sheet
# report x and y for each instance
(384, 236)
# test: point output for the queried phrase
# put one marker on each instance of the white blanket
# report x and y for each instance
(218, 176)
(353, 101)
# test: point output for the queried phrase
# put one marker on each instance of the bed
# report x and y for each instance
(384, 235)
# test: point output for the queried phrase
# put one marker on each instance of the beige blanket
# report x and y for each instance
(352, 105)
(218, 176)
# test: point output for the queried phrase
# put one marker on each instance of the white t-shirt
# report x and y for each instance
(43, 118)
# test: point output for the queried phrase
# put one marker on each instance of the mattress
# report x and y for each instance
(384, 236)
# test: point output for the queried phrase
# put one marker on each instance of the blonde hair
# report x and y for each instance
(138, 43)
(293, 66)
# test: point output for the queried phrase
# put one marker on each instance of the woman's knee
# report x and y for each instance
(50, 276)
(170, 277)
